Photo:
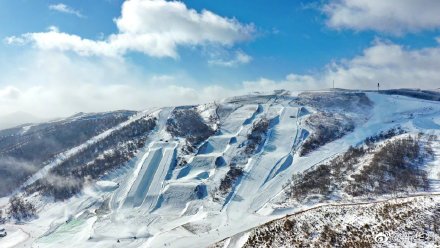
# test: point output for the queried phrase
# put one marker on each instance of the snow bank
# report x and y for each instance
(106, 186)
(14, 238)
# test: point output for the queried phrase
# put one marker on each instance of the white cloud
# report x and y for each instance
(14, 40)
(61, 7)
(153, 27)
(240, 58)
(391, 65)
(9, 92)
(391, 16)
(50, 84)
(292, 82)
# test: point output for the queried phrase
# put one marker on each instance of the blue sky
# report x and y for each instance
(159, 52)
(291, 35)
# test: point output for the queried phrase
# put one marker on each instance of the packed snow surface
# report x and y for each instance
(154, 202)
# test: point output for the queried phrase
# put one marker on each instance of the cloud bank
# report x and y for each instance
(52, 84)
(390, 16)
(55, 84)
(391, 65)
(153, 27)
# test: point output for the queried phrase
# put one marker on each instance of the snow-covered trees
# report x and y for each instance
(25, 150)
(404, 222)
(335, 115)
(229, 180)
(187, 123)
(313, 182)
(2, 217)
(257, 136)
(67, 179)
(394, 168)
(255, 139)
(327, 127)
(20, 209)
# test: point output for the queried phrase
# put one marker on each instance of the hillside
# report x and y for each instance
(246, 171)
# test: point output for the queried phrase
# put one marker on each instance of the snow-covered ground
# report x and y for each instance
(152, 202)
(399, 222)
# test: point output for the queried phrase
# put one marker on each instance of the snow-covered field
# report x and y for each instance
(152, 202)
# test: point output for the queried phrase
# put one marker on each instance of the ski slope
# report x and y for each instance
(160, 204)
(71, 152)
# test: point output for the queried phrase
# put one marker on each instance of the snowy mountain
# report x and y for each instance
(26, 149)
(323, 168)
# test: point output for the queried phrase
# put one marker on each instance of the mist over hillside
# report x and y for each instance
(17, 119)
